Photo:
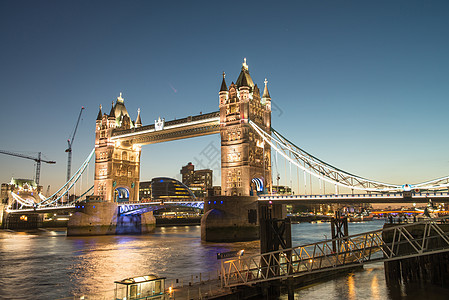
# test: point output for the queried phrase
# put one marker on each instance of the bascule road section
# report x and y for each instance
(395, 197)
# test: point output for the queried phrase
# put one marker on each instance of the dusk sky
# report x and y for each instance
(362, 85)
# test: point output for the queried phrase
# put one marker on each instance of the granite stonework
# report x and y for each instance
(102, 218)
(230, 219)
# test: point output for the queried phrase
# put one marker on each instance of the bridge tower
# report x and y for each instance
(117, 163)
(245, 158)
(117, 173)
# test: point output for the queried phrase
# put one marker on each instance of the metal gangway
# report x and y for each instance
(388, 244)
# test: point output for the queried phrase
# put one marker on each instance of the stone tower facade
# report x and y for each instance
(117, 164)
(245, 158)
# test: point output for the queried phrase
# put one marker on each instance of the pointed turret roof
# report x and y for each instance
(138, 120)
(266, 94)
(244, 78)
(112, 112)
(100, 114)
(118, 109)
(223, 88)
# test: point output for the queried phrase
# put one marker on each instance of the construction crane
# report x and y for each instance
(70, 143)
(37, 159)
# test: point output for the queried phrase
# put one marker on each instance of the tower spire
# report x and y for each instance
(120, 98)
(244, 78)
(266, 98)
(100, 114)
(244, 65)
(223, 88)
(266, 94)
(138, 120)
(112, 112)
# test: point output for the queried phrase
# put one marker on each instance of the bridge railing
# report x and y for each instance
(339, 253)
(365, 195)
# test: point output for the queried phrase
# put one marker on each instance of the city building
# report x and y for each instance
(199, 181)
(170, 189)
(144, 191)
(187, 172)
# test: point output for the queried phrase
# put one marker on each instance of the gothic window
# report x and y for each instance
(124, 155)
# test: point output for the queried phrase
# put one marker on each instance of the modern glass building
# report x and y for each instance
(170, 189)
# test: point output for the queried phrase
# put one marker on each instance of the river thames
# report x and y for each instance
(46, 264)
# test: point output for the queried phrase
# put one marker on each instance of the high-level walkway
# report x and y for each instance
(192, 126)
(346, 252)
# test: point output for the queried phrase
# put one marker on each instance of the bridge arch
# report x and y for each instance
(257, 186)
(121, 194)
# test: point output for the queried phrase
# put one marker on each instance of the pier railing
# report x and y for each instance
(392, 243)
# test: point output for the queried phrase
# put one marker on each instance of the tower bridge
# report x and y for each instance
(247, 141)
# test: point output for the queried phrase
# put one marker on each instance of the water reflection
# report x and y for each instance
(49, 265)
(351, 287)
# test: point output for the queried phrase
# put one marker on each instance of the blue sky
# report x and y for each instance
(362, 85)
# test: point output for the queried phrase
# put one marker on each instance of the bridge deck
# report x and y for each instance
(399, 197)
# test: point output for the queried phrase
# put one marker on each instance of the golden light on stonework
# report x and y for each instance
(137, 147)
(244, 64)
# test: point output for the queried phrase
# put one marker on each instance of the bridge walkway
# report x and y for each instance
(352, 251)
